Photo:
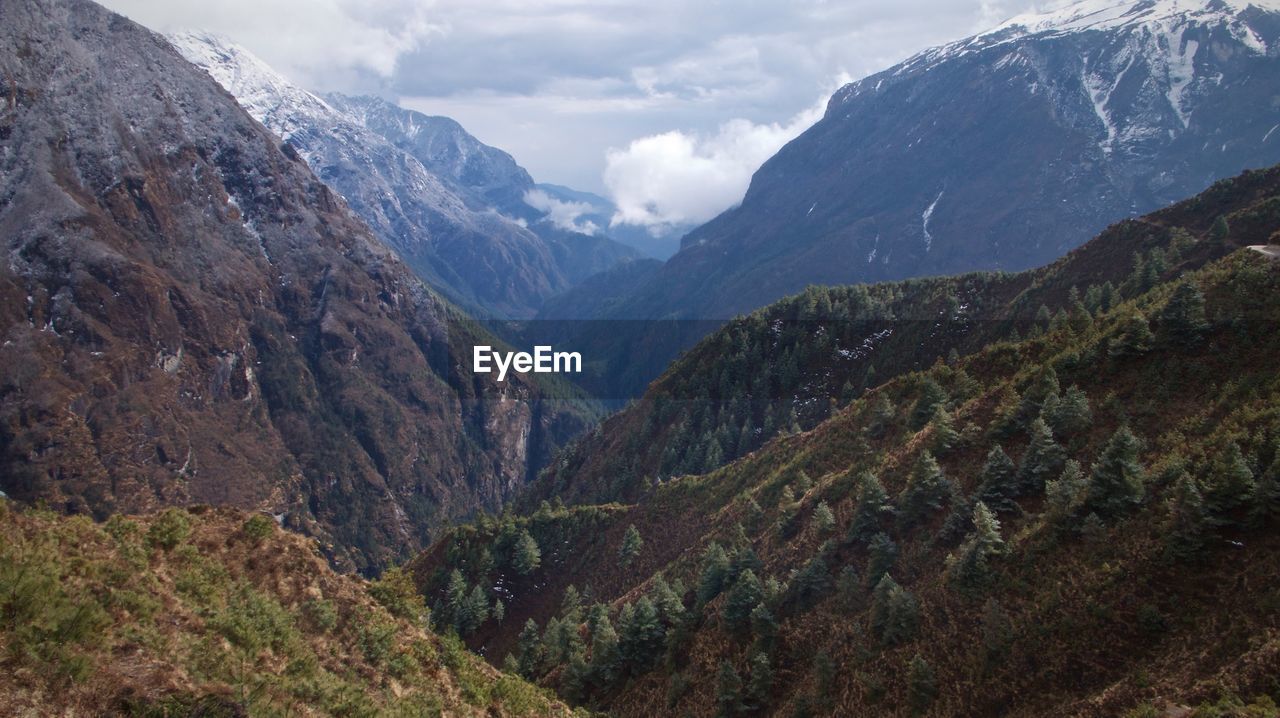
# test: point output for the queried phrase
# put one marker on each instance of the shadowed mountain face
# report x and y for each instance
(188, 314)
(454, 208)
(999, 152)
(1002, 151)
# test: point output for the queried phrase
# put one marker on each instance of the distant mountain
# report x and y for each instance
(189, 315)
(1000, 151)
(451, 206)
(600, 211)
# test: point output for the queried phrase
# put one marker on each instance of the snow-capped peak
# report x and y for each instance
(1084, 15)
(259, 88)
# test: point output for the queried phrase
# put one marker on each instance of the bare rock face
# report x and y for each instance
(187, 314)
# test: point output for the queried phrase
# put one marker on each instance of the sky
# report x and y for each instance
(665, 106)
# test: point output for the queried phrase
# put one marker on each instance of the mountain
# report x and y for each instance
(1073, 515)
(599, 211)
(998, 152)
(216, 612)
(189, 315)
(451, 206)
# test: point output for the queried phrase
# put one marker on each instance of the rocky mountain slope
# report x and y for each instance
(1075, 516)
(216, 612)
(452, 207)
(188, 314)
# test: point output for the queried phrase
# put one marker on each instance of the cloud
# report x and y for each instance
(564, 215)
(682, 178)
(321, 44)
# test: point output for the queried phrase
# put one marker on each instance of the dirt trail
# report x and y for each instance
(1268, 250)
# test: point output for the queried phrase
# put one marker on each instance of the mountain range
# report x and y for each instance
(456, 210)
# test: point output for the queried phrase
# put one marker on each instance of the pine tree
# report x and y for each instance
(1032, 403)
(632, 543)
(849, 588)
(760, 685)
(526, 556)
(1135, 338)
(969, 568)
(744, 557)
(728, 691)
(809, 583)
(1220, 229)
(1116, 484)
(926, 490)
(476, 611)
(605, 658)
(667, 600)
(530, 649)
(640, 635)
(998, 485)
(1183, 319)
(1229, 482)
(932, 398)
(881, 555)
(1264, 500)
(715, 569)
(1044, 459)
(959, 521)
(872, 505)
(1184, 534)
(922, 686)
(764, 626)
(945, 437)
(1070, 414)
(745, 594)
(499, 611)
(823, 519)
(455, 600)
(882, 416)
(1064, 495)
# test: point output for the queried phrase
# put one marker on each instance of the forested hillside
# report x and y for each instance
(1074, 515)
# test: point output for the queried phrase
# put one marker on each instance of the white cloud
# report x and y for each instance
(564, 215)
(321, 44)
(682, 178)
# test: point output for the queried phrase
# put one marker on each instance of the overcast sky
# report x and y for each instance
(667, 106)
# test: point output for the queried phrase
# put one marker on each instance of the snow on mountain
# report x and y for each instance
(451, 206)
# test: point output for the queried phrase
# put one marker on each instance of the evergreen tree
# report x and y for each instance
(1070, 414)
(882, 416)
(823, 519)
(945, 436)
(1044, 459)
(1220, 229)
(641, 635)
(969, 568)
(808, 585)
(476, 611)
(922, 686)
(764, 626)
(605, 657)
(743, 597)
(499, 611)
(1032, 403)
(1229, 482)
(760, 684)
(744, 557)
(998, 485)
(1116, 484)
(959, 521)
(576, 676)
(849, 588)
(1264, 500)
(926, 490)
(728, 691)
(715, 569)
(1184, 534)
(872, 505)
(667, 600)
(632, 543)
(1183, 319)
(526, 556)
(530, 649)
(881, 555)
(932, 398)
(1064, 495)
(1135, 338)
(455, 601)
(824, 672)
(895, 614)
